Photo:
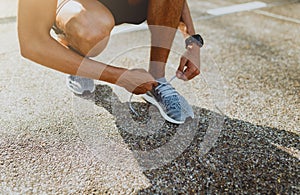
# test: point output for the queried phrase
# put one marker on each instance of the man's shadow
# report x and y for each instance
(242, 158)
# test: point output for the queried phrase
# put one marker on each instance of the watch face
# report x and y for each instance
(197, 39)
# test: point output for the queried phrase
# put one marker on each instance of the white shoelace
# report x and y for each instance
(130, 99)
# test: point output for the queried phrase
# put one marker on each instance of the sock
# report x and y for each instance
(162, 80)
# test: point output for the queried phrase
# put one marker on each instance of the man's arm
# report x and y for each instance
(189, 66)
(35, 20)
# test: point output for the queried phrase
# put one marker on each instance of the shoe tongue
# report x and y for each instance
(162, 80)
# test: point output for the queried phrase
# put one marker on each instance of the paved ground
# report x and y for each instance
(244, 139)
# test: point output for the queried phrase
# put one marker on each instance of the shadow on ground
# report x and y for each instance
(244, 159)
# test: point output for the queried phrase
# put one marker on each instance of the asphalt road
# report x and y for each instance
(244, 139)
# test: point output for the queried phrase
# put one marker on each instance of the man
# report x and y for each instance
(83, 28)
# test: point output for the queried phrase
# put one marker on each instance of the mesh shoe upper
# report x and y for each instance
(171, 103)
(79, 85)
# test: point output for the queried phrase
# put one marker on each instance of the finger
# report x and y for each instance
(188, 73)
(183, 61)
(194, 74)
(180, 70)
(150, 85)
(145, 87)
(154, 84)
(139, 90)
(181, 76)
(191, 71)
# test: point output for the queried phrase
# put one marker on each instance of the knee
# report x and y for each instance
(93, 42)
(89, 35)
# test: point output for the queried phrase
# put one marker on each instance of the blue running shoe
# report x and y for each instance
(80, 85)
(171, 105)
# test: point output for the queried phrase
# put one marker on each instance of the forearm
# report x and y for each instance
(48, 52)
(187, 27)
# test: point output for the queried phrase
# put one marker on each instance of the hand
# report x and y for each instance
(137, 81)
(189, 66)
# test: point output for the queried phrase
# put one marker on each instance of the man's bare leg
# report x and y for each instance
(163, 20)
(86, 25)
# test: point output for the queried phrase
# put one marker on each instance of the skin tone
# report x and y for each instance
(83, 37)
(180, 16)
(189, 66)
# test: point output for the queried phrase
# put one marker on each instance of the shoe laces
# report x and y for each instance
(80, 82)
(163, 87)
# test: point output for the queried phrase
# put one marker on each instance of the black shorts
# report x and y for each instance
(123, 12)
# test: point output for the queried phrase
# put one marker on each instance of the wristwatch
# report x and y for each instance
(197, 39)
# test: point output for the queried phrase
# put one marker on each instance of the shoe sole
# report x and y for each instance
(77, 92)
(163, 114)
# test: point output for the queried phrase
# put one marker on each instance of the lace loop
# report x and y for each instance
(164, 87)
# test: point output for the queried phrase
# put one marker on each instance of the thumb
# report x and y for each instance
(179, 72)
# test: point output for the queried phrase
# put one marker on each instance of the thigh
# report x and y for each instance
(88, 13)
(83, 24)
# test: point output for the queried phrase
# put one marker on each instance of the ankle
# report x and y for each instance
(161, 80)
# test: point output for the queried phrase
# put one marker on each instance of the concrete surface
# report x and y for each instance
(245, 138)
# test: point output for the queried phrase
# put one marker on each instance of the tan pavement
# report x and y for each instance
(245, 137)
